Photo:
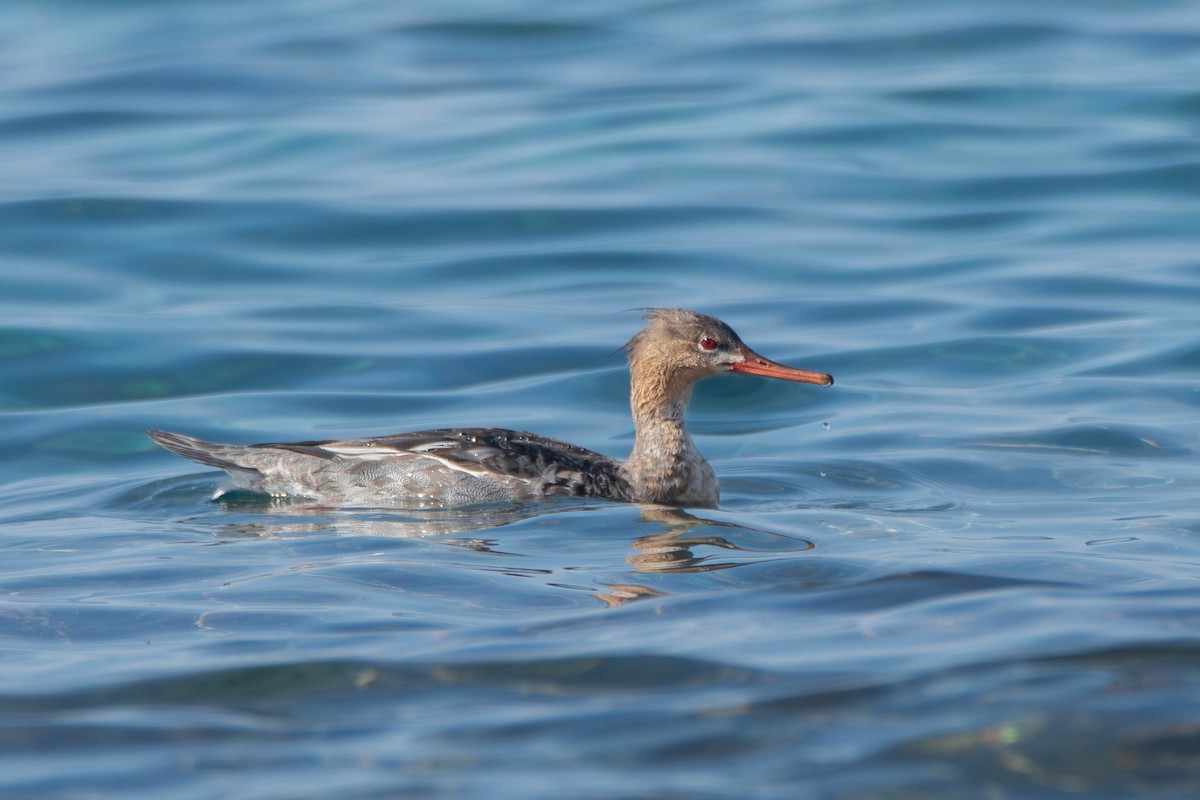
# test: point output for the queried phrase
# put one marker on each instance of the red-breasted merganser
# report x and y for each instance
(465, 466)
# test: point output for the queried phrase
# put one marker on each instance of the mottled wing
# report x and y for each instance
(558, 468)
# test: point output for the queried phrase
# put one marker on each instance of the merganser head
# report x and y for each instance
(686, 346)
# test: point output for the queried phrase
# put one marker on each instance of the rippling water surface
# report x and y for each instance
(969, 569)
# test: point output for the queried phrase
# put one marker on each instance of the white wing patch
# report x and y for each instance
(365, 452)
(374, 452)
(427, 450)
(479, 473)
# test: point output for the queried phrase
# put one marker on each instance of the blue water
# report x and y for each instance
(969, 569)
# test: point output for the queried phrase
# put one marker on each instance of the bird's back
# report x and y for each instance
(459, 466)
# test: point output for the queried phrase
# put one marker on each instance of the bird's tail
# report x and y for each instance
(210, 453)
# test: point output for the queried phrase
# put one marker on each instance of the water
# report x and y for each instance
(969, 569)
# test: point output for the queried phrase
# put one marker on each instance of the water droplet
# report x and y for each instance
(824, 426)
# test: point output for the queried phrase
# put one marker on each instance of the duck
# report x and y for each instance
(455, 467)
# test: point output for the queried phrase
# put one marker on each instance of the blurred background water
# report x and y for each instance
(969, 569)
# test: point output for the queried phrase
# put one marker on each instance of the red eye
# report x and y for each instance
(707, 343)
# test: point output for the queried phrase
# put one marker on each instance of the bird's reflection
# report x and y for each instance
(671, 549)
(677, 543)
(620, 594)
(255, 516)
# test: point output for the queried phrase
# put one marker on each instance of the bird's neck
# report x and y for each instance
(665, 466)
